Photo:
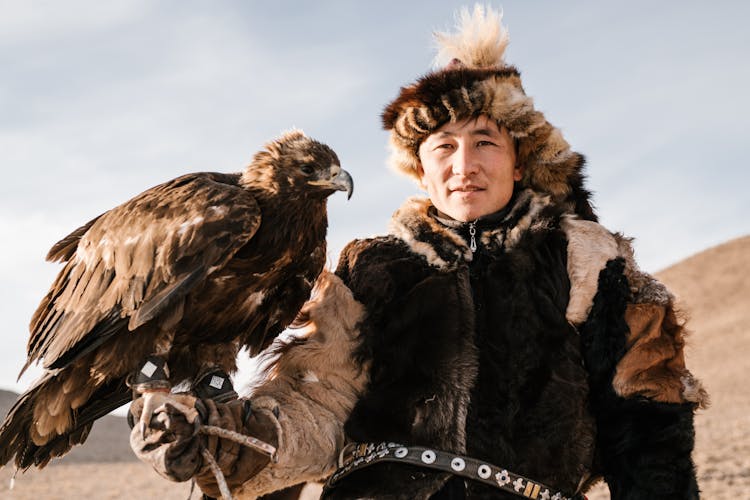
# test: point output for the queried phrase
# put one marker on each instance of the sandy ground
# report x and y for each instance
(711, 285)
(92, 481)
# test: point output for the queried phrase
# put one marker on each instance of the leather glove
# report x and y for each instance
(173, 445)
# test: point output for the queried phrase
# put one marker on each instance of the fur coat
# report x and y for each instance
(545, 351)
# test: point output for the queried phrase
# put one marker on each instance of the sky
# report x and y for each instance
(102, 100)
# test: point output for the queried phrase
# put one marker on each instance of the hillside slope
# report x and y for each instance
(714, 290)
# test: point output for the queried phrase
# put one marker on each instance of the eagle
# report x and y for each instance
(187, 272)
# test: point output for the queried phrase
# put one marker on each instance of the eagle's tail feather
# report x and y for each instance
(20, 440)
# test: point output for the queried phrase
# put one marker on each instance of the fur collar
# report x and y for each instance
(440, 240)
(443, 243)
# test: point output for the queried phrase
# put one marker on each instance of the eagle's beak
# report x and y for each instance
(339, 180)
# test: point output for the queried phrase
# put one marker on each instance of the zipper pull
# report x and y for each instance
(473, 234)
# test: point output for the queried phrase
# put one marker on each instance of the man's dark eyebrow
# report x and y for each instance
(483, 131)
(442, 134)
(480, 131)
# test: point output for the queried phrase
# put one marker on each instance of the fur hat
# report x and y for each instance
(476, 80)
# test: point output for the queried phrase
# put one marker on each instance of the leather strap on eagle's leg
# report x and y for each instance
(151, 382)
(214, 383)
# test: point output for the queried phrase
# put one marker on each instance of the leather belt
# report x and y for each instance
(356, 456)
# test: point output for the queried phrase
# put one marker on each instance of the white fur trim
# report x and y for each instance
(590, 247)
(413, 213)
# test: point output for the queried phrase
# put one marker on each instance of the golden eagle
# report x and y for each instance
(190, 270)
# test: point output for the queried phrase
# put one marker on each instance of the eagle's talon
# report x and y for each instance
(152, 401)
(164, 403)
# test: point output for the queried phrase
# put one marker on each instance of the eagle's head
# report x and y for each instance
(296, 166)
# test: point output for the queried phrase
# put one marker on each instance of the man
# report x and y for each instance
(498, 343)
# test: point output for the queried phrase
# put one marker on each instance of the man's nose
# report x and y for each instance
(465, 161)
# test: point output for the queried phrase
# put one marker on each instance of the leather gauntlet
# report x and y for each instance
(174, 446)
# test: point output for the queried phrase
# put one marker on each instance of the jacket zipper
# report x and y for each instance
(473, 234)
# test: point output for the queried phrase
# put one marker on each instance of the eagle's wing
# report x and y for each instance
(127, 266)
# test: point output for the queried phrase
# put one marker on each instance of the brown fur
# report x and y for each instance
(654, 364)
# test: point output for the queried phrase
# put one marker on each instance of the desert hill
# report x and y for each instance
(711, 287)
(714, 289)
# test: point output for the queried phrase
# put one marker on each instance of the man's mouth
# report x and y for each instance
(466, 189)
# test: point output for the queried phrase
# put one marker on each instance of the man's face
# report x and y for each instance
(468, 168)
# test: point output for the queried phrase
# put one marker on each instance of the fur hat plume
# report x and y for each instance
(472, 78)
(479, 42)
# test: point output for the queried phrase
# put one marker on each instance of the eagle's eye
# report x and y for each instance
(307, 169)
